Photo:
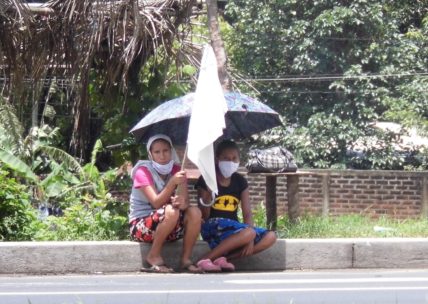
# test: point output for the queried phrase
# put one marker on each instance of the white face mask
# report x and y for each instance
(163, 169)
(227, 168)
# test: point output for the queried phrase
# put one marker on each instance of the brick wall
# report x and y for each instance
(394, 193)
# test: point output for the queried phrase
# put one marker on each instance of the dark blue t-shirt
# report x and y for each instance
(228, 198)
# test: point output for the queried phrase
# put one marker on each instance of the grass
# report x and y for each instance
(344, 226)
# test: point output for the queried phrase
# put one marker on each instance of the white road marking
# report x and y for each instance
(327, 281)
(207, 291)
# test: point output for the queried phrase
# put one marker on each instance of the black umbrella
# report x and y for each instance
(245, 116)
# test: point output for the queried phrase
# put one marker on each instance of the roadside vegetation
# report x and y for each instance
(106, 219)
(345, 226)
(330, 68)
(351, 226)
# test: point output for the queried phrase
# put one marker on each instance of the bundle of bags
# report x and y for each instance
(270, 160)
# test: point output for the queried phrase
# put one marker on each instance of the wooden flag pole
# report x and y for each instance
(183, 163)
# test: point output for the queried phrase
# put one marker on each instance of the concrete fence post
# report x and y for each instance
(424, 202)
(293, 197)
(271, 215)
(325, 194)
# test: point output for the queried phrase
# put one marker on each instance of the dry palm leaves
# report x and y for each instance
(69, 38)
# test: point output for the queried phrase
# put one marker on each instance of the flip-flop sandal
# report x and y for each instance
(156, 268)
(224, 264)
(190, 268)
(207, 266)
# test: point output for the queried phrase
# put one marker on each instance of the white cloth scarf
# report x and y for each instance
(163, 169)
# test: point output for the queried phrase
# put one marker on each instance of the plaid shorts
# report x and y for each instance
(143, 229)
(216, 230)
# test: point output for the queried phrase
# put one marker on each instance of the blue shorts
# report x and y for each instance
(216, 230)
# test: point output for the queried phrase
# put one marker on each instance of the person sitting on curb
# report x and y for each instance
(158, 212)
(228, 238)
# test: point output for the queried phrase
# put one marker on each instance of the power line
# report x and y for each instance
(291, 78)
(319, 77)
(284, 92)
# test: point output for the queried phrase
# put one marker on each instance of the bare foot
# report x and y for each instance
(190, 267)
(154, 260)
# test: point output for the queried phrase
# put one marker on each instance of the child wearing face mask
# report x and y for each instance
(158, 212)
(228, 238)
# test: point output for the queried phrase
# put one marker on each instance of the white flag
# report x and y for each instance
(207, 119)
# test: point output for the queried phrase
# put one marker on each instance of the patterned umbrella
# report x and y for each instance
(245, 116)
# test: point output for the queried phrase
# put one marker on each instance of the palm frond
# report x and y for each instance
(84, 186)
(61, 157)
(17, 165)
(98, 147)
(70, 38)
(11, 129)
(11, 9)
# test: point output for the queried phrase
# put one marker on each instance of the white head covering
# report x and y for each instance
(174, 155)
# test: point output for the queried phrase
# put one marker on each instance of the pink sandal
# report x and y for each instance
(208, 266)
(224, 264)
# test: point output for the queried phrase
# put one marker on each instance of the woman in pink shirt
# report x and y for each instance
(159, 207)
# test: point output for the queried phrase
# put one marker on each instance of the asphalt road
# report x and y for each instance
(293, 287)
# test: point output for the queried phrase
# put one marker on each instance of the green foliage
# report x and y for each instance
(64, 179)
(16, 212)
(11, 127)
(155, 83)
(336, 67)
(57, 155)
(31, 154)
(422, 157)
(81, 192)
(17, 165)
(343, 226)
(324, 141)
(89, 220)
(351, 226)
(89, 213)
(259, 215)
(380, 150)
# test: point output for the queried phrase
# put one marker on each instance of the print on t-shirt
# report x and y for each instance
(226, 203)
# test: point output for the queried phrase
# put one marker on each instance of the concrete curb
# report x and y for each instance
(286, 254)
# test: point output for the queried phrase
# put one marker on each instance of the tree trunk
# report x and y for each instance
(81, 132)
(218, 45)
